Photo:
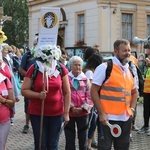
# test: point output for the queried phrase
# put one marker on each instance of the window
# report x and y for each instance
(80, 27)
(148, 25)
(127, 26)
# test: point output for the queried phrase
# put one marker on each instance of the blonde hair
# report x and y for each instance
(21, 50)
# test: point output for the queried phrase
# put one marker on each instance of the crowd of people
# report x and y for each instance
(77, 93)
(10, 91)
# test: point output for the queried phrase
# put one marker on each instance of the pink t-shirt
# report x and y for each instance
(5, 71)
(53, 105)
(4, 110)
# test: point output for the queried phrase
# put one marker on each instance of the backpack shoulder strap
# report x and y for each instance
(34, 74)
(130, 62)
(108, 69)
(35, 71)
(59, 67)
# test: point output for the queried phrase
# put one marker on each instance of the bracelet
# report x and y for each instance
(132, 109)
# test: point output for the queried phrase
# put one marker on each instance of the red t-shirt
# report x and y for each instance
(4, 110)
(53, 105)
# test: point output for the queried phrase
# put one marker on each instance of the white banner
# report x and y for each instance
(49, 22)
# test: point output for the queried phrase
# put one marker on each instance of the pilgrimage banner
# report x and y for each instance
(49, 23)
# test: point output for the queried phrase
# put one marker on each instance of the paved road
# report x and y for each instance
(19, 141)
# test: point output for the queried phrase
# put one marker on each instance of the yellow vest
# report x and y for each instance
(147, 81)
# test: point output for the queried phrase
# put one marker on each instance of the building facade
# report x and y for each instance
(95, 21)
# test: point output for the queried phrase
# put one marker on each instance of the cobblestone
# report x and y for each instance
(19, 141)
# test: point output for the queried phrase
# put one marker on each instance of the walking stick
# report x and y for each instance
(42, 111)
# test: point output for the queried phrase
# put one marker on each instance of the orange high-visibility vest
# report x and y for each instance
(147, 81)
(115, 95)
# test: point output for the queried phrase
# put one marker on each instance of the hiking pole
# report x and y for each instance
(42, 111)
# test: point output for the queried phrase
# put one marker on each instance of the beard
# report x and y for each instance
(124, 60)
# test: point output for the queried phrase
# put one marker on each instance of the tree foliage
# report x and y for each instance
(17, 29)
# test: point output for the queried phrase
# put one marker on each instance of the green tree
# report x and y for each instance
(17, 29)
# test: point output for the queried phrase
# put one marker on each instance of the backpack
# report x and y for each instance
(140, 77)
(16, 63)
(36, 70)
(141, 80)
(29, 55)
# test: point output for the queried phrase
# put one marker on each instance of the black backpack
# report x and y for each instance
(141, 80)
(16, 63)
(140, 77)
(29, 56)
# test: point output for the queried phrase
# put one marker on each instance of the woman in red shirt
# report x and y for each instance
(6, 102)
(56, 104)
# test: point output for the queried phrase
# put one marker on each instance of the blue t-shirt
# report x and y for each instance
(26, 61)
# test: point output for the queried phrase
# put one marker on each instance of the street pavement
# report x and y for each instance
(19, 141)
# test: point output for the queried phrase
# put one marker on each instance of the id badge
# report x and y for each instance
(5, 93)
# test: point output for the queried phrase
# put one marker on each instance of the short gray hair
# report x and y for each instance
(75, 58)
(117, 43)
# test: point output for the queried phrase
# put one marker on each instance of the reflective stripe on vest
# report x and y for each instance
(115, 97)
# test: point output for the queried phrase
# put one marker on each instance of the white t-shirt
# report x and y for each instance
(99, 77)
(89, 74)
